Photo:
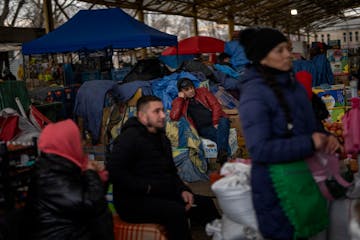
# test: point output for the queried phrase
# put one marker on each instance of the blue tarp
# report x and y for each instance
(91, 30)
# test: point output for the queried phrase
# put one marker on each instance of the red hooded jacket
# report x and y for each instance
(206, 98)
(305, 78)
(63, 139)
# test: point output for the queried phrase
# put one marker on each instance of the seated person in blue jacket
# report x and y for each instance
(146, 186)
(224, 59)
(67, 193)
(204, 112)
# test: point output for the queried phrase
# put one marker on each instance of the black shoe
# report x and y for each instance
(222, 157)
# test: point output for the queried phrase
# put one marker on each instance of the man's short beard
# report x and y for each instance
(158, 129)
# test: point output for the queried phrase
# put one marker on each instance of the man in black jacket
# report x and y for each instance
(146, 186)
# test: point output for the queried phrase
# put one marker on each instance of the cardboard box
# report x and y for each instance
(333, 97)
(234, 120)
(336, 114)
(96, 152)
(242, 151)
(210, 148)
(342, 79)
(231, 111)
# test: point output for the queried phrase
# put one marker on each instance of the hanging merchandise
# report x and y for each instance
(325, 169)
(339, 60)
(351, 132)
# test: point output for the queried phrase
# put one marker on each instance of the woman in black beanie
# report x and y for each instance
(280, 129)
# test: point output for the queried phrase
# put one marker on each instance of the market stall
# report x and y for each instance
(96, 35)
(92, 30)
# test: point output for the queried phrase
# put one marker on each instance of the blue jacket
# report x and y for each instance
(309, 66)
(237, 53)
(323, 69)
(264, 125)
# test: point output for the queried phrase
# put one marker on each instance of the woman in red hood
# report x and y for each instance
(67, 195)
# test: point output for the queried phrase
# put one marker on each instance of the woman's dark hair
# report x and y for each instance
(183, 83)
(223, 56)
(270, 80)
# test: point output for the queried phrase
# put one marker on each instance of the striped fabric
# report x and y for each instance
(132, 231)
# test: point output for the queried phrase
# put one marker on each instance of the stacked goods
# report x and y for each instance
(334, 99)
(335, 128)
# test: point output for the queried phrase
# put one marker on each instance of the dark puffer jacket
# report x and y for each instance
(141, 164)
(203, 96)
(64, 203)
(265, 129)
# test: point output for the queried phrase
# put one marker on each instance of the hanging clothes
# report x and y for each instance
(351, 122)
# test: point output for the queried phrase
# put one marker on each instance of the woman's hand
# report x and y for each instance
(326, 143)
(181, 95)
(93, 165)
(319, 140)
(332, 145)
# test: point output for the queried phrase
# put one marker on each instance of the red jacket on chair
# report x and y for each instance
(205, 97)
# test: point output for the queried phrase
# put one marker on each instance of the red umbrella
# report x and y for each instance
(197, 44)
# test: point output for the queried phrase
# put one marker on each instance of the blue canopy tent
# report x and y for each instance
(91, 30)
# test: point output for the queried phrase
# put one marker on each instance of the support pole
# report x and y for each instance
(195, 22)
(231, 26)
(308, 37)
(48, 16)
(141, 18)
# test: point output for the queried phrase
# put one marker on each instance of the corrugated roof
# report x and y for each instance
(312, 14)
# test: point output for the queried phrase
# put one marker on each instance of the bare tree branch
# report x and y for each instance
(19, 6)
(61, 9)
(5, 12)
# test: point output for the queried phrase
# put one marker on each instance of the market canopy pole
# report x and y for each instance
(47, 11)
(141, 18)
(195, 22)
(231, 26)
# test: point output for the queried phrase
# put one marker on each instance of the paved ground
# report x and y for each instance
(198, 233)
(201, 188)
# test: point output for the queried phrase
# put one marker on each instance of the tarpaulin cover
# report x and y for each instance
(197, 44)
(98, 29)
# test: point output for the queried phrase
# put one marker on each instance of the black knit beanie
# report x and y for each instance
(183, 83)
(259, 41)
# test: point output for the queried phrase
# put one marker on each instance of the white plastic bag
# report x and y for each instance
(354, 190)
(234, 194)
(232, 230)
(235, 231)
(214, 229)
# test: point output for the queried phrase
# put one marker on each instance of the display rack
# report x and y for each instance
(16, 164)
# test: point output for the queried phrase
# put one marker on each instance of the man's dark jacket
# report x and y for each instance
(141, 164)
